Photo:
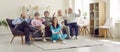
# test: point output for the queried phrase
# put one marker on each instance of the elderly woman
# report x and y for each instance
(37, 23)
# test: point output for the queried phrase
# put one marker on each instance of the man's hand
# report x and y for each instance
(62, 22)
(30, 16)
(17, 23)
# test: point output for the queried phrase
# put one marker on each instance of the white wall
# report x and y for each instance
(78, 5)
(12, 8)
(70, 4)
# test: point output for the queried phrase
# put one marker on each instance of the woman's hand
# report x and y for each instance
(37, 27)
(58, 33)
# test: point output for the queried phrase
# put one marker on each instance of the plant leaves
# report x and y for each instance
(3, 23)
(0, 23)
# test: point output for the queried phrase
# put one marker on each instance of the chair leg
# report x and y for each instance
(31, 38)
(12, 39)
(83, 30)
(79, 30)
(87, 30)
(110, 34)
(105, 35)
(22, 40)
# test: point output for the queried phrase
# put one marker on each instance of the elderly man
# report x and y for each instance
(48, 19)
(48, 22)
(61, 19)
(21, 24)
(72, 22)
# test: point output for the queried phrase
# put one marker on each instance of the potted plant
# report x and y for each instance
(85, 14)
(3, 23)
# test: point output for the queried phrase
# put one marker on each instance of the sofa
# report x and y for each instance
(36, 35)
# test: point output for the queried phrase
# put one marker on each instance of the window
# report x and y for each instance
(115, 9)
(83, 5)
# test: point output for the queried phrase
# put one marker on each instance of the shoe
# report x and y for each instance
(77, 37)
(72, 37)
(44, 40)
(63, 42)
(54, 41)
(28, 43)
(69, 37)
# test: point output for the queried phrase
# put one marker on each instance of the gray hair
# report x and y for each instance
(37, 14)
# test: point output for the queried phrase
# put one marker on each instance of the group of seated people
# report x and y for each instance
(55, 24)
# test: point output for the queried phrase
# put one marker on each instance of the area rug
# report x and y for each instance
(69, 44)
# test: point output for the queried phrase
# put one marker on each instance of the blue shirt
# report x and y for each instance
(55, 30)
(20, 20)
